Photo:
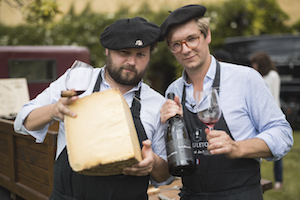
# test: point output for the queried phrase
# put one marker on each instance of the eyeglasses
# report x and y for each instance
(191, 42)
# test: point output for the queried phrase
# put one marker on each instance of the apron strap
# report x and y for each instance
(220, 171)
(98, 82)
(135, 111)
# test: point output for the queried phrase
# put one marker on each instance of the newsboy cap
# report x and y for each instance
(180, 16)
(130, 33)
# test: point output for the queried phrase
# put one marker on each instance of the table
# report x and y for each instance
(170, 192)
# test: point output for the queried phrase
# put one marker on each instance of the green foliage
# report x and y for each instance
(41, 11)
(296, 26)
(248, 17)
(232, 18)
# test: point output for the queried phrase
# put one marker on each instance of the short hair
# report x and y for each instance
(203, 25)
(264, 62)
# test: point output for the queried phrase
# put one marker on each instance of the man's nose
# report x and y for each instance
(131, 60)
(185, 49)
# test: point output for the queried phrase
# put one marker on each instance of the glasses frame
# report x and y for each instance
(184, 42)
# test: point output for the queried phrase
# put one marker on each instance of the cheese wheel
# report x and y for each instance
(101, 139)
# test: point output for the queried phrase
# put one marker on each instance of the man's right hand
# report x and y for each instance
(42, 116)
(60, 108)
(170, 108)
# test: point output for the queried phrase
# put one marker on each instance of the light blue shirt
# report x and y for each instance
(151, 102)
(248, 106)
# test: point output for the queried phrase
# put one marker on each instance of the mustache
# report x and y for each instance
(129, 67)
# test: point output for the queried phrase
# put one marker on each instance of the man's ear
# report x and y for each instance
(208, 37)
(106, 52)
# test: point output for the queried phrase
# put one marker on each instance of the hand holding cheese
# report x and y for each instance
(145, 166)
(102, 139)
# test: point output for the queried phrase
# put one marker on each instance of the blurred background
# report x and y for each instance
(239, 28)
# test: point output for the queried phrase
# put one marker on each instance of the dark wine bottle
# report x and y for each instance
(180, 154)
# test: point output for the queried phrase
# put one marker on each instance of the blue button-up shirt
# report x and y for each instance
(248, 106)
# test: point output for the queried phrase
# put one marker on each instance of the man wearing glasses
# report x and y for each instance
(252, 126)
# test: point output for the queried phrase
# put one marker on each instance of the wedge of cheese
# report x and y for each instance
(102, 139)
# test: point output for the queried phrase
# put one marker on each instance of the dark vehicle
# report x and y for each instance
(285, 52)
(40, 65)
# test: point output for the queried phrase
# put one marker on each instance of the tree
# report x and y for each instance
(39, 12)
(248, 17)
(232, 18)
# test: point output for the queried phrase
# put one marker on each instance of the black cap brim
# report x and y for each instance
(130, 33)
(180, 16)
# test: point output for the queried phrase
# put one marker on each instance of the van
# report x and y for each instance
(284, 50)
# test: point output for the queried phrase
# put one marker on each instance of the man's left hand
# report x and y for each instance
(144, 167)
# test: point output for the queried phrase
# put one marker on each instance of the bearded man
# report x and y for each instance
(128, 44)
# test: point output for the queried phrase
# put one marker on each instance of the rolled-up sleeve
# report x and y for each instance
(49, 96)
(20, 128)
(268, 118)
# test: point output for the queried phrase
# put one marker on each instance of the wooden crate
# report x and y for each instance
(26, 168)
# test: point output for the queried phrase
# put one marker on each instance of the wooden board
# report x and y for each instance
(171, 191)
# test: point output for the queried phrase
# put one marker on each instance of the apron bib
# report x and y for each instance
(217, 177)
(69, 185)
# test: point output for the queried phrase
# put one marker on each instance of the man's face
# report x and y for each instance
(127, 66)
(190, 58)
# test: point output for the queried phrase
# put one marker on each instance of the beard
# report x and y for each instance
(122, 77)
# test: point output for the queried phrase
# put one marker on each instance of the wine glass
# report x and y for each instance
(78, 78)
(208, 108)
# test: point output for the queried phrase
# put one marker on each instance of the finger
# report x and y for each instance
(133, 172)
(180, 110)
(137, 170)
(169, 109)
(67, 111)
(222, 150)
(177, 100)
(147, 143)
(71, 100)
(207, 132)
(215, 134)
(217, 145)
(147, 152)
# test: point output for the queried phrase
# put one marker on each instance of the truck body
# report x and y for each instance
(284, 50)
(40, 65)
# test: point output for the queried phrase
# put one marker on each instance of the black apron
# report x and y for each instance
(69, 185)
(217, 177)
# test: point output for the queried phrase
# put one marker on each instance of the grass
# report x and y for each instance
(291, 174)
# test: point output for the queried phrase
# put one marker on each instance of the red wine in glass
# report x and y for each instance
(79, 92)
(210, 116)
(208, 109)
(78, 78)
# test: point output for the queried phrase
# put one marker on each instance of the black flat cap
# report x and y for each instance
(180, 16)
(130, 33)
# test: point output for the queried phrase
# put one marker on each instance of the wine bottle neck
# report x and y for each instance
(176, 117)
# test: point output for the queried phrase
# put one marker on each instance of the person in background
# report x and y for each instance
(128, 44)
(251, 127)
(262, 62)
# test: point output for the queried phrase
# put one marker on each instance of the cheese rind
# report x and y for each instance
(102, 139)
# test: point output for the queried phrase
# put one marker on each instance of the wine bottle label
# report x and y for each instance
(179, 149)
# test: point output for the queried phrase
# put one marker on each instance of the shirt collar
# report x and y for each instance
(210, 75)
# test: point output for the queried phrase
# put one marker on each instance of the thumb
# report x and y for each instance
(177, 100)
(207, 131)
(146, 147)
